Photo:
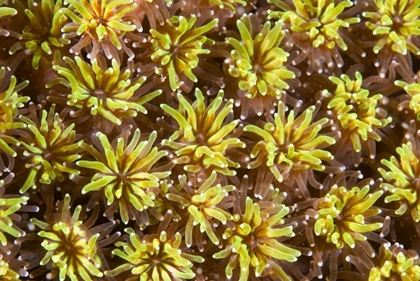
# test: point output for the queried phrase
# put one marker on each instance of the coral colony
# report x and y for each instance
(159, 140)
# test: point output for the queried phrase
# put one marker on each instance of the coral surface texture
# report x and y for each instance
(209, 140)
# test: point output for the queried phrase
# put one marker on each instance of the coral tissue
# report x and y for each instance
(159, 140)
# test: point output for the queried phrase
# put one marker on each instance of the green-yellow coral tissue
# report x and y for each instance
(42, 36)
(206, 205)
(50, 150)
(10, 103)
(156, 257)
(125, 172)
(396, 263)
(343, 215)
(253, 243)
(413, 91)
(395, 27)
(70, 247)
(396, 24)
(6, 11)
(316, 28)
(289, 146)
(97, 90)
(258, 63)
(6, 273)
(356, 112)
(202, 140)
(100, 24)
(402, 178)
(8, 207)
(176, 48)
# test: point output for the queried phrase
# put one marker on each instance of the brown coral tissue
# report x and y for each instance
(232, 140)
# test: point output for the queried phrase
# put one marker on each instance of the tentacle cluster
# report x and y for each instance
(235, 140)
(316, 27)
(125, 173)
(202, 140)
(258, 64)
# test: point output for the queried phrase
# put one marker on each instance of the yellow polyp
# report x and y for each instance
(54, 148)
(413, 90)
(203, 135)
(10, 103)
(95, 20)
(141, 254)
(8, 206)
(281, 145)
(42, 35)
(203, 207)
(264, 233)
(78, 261)
(108, 92)
(356, 110)
(397, 37)
(124, 173)
(342, 214)
(395, 263)
(319, 22)
(399, 176)
(262, 53)
(181, 34)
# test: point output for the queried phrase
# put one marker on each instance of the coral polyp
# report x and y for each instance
(206, 206)
(357, 113)
(395, 25)
(253, 245)
(8, 207)
(316, 28)
(10, 103)
(155, 257)
(176, 49)
(290, 147)
(42, 36)
(71, 250)
(402, 178)
(125, 173)
(396, 263)
(202, 139)
(12, 269)
(100, 26)
(50, 150)
(413, 91)
(343, 215)
(94, 89)
(258, 64)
